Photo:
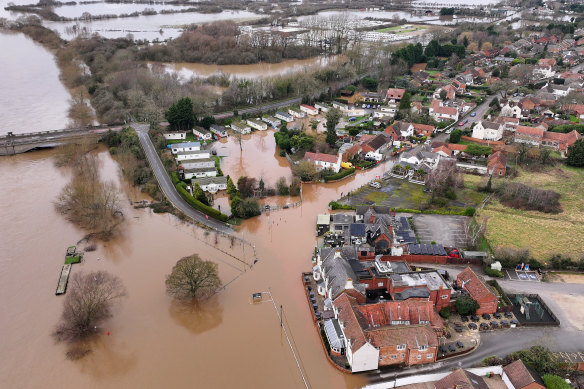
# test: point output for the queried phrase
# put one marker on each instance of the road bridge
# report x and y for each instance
(11, 143)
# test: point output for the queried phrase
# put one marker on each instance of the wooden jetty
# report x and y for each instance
(63, 279)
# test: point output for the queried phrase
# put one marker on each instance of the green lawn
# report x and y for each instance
(399, 30)
(377, 197)
(574, 119)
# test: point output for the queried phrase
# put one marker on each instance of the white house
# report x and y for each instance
(272, 121)
(308, 109)
(341, 106)
(409, 158)
(543, 72)
(284, 116)
(324, 107)
(185, 146)
(197, 163)
(488, 130)
(220, 131)
(195, 154)
(174, 135)
(324, 161)
(202, 134)
(297, 114)
(240, 127)
(199, 172)
(257, 124)
(211, 184)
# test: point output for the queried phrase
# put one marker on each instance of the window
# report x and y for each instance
(430, 356)
(380, 284)
(423, 348)
(393, 356)
(401, 346)
(419, 357)
(444, 297)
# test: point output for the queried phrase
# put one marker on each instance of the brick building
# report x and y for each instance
(476, 288)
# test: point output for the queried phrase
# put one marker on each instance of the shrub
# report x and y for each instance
(339, 175)
(445, 312)
(521, 196)
(335, 205)
(282, 153)
(198, 205)
(555, 382)
(466, 305)
(493, 272)
(174, 178)
(249, 207)
(469, 211)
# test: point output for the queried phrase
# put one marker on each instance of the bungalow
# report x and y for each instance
(257, 124)
(395, 94)
(195, 154)
(198, 172)
(202, 134)
(443, 151)
(497, 165)
(240, 127)
(211, 184)
(197, 163)
(441, 113)
(308, 109)
(323, 107)
(296, 114)
(284, 116)
(174, 135)
(338, 105)
(410, 158)
(272, 121)
(478, 291)
(324, 161)
(517, 376)
(487, 130)
(185, 146)
(577, 109)
(375, 147)
(529, 135)
(220, 131)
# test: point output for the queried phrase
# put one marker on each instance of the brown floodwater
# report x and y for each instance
(32, 98)
(154, 341)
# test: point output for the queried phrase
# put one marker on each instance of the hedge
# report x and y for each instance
(212, 212)
(174, 178)
(339, 175)
(335, 205)
(493, 272)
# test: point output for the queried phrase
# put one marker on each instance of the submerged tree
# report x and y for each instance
(193, 278)
(89, 301)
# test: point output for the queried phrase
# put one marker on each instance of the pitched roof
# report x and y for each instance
(461, 378)
(423, 127)
(498, 158)
(395, 93)
(532, 131)
(321, 157)
(490, 125)
(474, 286)
(456, 147)
(377, 142)
(444, 149)
(411, 336)
(520, 376)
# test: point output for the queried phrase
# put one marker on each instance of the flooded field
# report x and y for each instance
(226, 342)
(32, 98)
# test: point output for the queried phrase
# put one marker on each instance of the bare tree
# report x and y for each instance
(444, 176)
(474, 231)
(193, 278)
(89, 301)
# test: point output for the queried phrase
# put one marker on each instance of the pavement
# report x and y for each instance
(168, 188)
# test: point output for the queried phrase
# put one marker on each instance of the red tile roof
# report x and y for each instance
(531, 131)
(395, 93)
(444, 149)
(519, 375)
(321, 157)
(474, 286)
(456, 147)
(308, 106)
(461, 379)
(412, 336)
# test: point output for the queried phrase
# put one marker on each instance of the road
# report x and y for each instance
(168, 188)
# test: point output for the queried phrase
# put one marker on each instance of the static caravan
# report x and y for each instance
(285, 117)
(257, 124)
(220, 131)
(185, 146)
(202, 134)
(272, 121)
(240, 127)
(174, 135)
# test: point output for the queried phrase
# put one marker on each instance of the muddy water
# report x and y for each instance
(260, 70)
(154, 342)
(32, 98)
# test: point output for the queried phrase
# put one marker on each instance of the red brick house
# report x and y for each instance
(497, 165)
(517, 376)
(560, 141)
(477, 290)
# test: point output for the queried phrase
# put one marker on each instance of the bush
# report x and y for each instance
(466, 305)
(215, 214)
(335, 205)
(282, 153)
(445, 313)
(493, 272)
(174, 178)
(555, 382)
(455, 136)
(469, 211)
(249, 207)
(342, 174)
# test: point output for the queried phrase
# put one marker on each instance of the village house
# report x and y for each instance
(376, 147)
(296, 113)
(477, 290)
(517, 376)
(576, 109)
(240, 127)
(309, 110)
(387, 111)
(497, 164)
(272, 121)
(395, 94)
(195, 154)
(512, 110)
(257, 124)
(185, 146)
(284, 116)
(175, 135)
(509, 123)
(560, 141)
(324, 161)
(202, 134)
(439, 112)
(211, 184)
(530, 135)
(403, 130)
(487, 130)
(219, 131)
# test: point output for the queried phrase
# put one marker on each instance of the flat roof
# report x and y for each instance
(323, 219)
(431, 279)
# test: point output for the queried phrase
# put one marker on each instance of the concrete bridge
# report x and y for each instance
(11, 143)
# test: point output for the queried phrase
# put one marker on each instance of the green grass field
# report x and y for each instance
(398, 29)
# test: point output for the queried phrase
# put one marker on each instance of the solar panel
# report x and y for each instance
(442, 251)
(435, 249)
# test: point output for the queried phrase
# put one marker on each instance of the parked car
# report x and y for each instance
(451, 348)
(462, 123)
(352, 119)
(486, 316)
(464, 318)
(449, 131)
(458, 327)
(473, 114)
(375, 184)
(497, 315)
(472, 326)
(459, 344)
(475, 318)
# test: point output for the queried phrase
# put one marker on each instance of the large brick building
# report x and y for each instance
(476, 288)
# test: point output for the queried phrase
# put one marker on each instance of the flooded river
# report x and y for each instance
(32, 98)
(154, 342)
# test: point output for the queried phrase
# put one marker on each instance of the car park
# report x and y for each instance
(475, 318)
(486, 316)
(494, 324)
(472, 326)
(497, 315)
(451, 348)
(459, 344)
(464, 318)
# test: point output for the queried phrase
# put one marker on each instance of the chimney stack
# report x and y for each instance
(349, 284)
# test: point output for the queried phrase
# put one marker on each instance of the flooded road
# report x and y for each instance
(154, 342)
(32, 98)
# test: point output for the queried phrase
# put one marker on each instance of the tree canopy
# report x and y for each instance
(180, 115)
(466, 305)
(576, 154)
(332, 119)
(193, 278)
(455, 136)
